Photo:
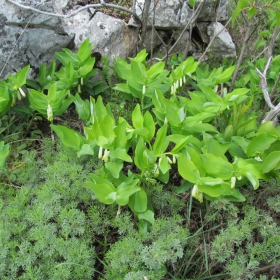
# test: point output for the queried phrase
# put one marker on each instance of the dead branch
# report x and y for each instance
(101, 5)
(274, 110)
(212, 40)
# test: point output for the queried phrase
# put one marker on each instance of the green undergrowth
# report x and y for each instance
(53, 227)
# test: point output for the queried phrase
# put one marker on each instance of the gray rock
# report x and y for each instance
(169, 14)
(28, 37)
(223, 45)
(175, 14)
(213, 10)
(110, 36)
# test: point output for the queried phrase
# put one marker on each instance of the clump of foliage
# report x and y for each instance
(43, 232)
(148, 192)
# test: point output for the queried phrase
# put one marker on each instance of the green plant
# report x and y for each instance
(259, 234)
(134, 256)
(211, 134)
(43, 231)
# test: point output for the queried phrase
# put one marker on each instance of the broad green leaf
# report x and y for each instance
(82, 108)
(69, 137)
(181, 144)
(251, 12)
(114, 167)
(138, 201)
(241, 142)
(139, 159)
(192, 3)
(147, 215)
(122, 87)
(260, 43)
(4, 152)
(98, 180)
(84, 51)
(155, 69)
(141, 56)
(222, 190)
(184, 187)
(21, 76)
(125, 191)
(199, 128)
(271, 161)
(138, 72)
(150, 125)
(99, 110)
(268, 128)
(86, 149)
(160, 138)
(228, 132)
(107, 126)
(103, 192)
(209, 181)
(234, 15)
(174, 115)
(38, 101)
(187, 169)
(121, 138)
(164, 165)
(5, 100)
(120, 154)
(137, 117)
(213, 147)
(241, 4)
(86, 67)
(194, 156)
(235, 94)
(210, 94)
(260, 143)
(204, 116)
(253, 180)
(67, 57)
(217, 167)
(226, 75)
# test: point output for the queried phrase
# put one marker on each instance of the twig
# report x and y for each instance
(242, 53)
(212, 40)
(192, 20)
(6, 62)
(274, 110)
(102, 4)
(144, 22)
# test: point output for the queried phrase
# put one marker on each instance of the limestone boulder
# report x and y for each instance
(223, 45)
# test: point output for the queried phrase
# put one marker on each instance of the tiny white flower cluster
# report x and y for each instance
(105, 156)
(144, 90)
(20, 92)
(49, 113)
(177, 84)
(196, 193)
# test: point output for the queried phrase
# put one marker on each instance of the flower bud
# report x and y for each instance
(18, 96)
(50, 113)
(22, 92)
(100, 152)
(232, 182)
(106, 155)
(169, 160)
(144, 90)
(197, 194)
